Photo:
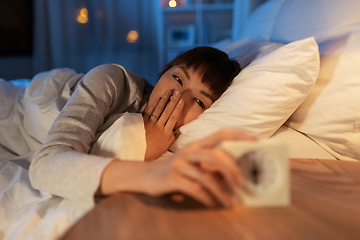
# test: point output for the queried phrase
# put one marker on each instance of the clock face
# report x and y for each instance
(259, 172)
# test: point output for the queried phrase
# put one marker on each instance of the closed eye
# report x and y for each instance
(201, 104)
(177, 79)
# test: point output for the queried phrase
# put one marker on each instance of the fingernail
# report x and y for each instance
(176, 93)
(180, 101)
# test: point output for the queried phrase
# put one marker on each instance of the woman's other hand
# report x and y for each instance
(200, 170)
(160, 118)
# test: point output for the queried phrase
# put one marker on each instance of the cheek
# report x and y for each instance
(188, 114)
(157, 92)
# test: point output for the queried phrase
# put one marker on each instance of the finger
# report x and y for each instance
(219, 161)
(170, 124)
(195, 190)
(169, 108)
(228, 167)
(215, 185)
(216, 138)
(161, 105)
(149, 109)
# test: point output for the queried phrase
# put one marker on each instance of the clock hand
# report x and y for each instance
(255, 172)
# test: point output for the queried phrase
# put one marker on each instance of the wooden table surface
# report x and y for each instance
(325, 204)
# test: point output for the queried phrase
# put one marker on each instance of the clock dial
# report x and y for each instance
(258, 170)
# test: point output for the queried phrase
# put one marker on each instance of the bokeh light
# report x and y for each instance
(83, 16)
(132, 36)
(172, 3)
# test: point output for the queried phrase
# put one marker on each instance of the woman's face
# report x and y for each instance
(196, 95)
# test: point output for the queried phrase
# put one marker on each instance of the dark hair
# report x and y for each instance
(215, 67)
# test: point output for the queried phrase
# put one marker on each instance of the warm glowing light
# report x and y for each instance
(172, 3)
(84, 12)
(83, 16)
(81, 19)
(132, 36)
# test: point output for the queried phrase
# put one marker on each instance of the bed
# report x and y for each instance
(319, 118)
(299, 84)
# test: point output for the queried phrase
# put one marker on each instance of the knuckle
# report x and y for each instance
(194, 145)
(197, 187)
(167, 110)
(209, 179)
(172, 176)
(223, 133)
(188, 151)
(172, 118)
(177, 163)
(174, 99)
(221, 154)
(159, 107)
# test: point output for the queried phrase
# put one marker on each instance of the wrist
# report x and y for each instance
(121, 176)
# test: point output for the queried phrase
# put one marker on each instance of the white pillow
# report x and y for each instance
(330, 115)
(248, 50)
(262, 96)
(261, 22)
(323, 19)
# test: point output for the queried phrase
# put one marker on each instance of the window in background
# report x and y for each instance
(81, 34)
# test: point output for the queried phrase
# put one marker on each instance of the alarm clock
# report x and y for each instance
(264, 166)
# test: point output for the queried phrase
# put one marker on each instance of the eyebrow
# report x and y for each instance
(202, 92)
(208, 95)
(185, 71)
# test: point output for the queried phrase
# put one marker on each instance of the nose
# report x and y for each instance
(186, 96)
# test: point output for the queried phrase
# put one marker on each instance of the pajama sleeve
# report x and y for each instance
(63, 166)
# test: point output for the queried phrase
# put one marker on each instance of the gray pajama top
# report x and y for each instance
(62, 166)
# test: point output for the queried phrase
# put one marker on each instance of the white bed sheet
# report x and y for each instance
(27, 213)
(300, 145)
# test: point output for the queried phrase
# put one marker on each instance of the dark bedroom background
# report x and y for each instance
(16, 38)
(141, 35)
(38, 35)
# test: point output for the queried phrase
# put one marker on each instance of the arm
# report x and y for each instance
(62, 166)
(200, 170)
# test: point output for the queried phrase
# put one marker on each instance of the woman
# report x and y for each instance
(187, 86)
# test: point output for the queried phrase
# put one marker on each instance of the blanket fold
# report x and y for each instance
(26, 117)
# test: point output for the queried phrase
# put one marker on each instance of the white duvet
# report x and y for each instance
(26, 116)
